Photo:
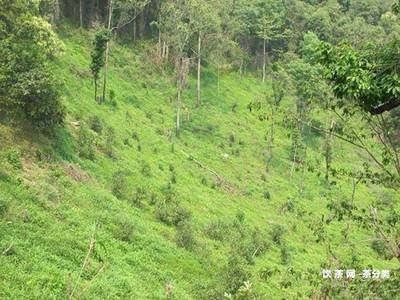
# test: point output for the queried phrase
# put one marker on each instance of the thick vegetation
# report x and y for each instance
(237, 150)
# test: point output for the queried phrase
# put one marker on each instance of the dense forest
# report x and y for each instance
(197, 149)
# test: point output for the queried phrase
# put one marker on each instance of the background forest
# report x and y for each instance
(197, 149)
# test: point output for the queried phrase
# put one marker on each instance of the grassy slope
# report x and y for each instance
(49, 216)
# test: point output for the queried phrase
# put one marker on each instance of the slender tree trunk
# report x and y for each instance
(107, 52)
(57, 11)
(328, 151)
(179, 99)
(80, 14)
(199, 72)
(159, 45)
(272, 132)
(134, 28)
(95, 90)
(178, 111)
(264, 60)
(218, 79)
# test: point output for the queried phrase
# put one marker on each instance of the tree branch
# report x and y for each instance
(384, 107)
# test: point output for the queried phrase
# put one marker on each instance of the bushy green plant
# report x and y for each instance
(96, 124)
(170, 210)
(85, 143)
(218, 230)
(110, 138)
(277, 234)
(28, 85)
(125, 231)
(3, 206)
(185, 236)
(139, 196)
(13, 158)
(145, 169)
(119, 184)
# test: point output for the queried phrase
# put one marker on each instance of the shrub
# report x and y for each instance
(85, 143)
(3, 207)
(127, 142)
(145, 169)
(153, 198)
(138, 197)
(13, 158)
(28, 84)
(135, 136)
(232, 138)
(111, 95)
(285, 255)
(170, 211)
(267, 195)
(218, 230)
(277, 233)
(109, 141)
(240, 216)
(235, 274)
(96, 124)
(379, 247)
(185, 236)
(119, 185)
(173, 178)
(125, 231)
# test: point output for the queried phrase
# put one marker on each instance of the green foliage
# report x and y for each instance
(109, 141)
(139, 196)
(368, 78)
(86, 141)
(27, 83)
(119, 185)
(277, 234)
(96, 124)
(185, 236)
(3, 206)
(98, 54)
(170, 211)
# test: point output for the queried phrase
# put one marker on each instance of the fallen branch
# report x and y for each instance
(221, 180)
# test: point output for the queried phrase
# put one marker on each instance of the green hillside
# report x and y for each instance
(115, 206)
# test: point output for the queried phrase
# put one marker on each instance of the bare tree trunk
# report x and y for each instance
(164, 50)
(179, 100)
(328, 150)
(95, 90)
(264, 60)
(134, 27)
(199, 72)
(218, 79)
(56, 10)
(80, 14)
(107, 52)
(178, 111)
(272, 132)
(159, 46)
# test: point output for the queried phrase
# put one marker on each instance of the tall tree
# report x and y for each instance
(175, 26)
(204, 23)
(268, 23)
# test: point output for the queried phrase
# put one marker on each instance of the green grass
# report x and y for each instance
(55, 201)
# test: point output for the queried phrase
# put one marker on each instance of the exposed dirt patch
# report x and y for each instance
(75, 172)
